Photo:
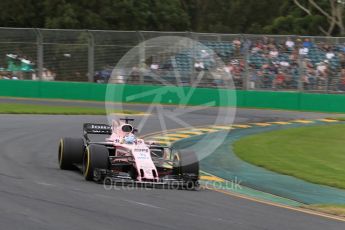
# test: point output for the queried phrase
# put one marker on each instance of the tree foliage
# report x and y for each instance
(331, 11)
(321, 17)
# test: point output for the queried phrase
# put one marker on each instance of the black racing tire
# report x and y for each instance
(95, 157)
(186, 162)
(71, 152)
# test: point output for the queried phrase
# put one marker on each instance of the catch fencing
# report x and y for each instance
(254, 62)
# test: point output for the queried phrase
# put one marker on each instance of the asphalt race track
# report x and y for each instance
(35, 194)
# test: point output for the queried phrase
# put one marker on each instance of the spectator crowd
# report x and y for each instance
(256, 62)
(288, 63)
(252, 62)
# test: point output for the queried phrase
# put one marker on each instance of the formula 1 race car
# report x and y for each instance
(123, 158)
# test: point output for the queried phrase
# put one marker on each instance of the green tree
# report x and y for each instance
(321, 17)
(331, 10)
(236, 16)
(116, 14)
(310, 17)
(18, 13)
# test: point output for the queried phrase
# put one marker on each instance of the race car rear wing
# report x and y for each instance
(90, 128)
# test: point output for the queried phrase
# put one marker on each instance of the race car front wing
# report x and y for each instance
(185, 181)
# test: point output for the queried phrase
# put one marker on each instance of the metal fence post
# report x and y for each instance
(141, 47)
(301, 74)
(245, 81)
(39, 41)
(300, 71)
(90, 57)
(194, 38)
(142, 53)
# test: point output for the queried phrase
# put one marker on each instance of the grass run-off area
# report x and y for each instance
(14, 108)
(334, 209)
(315, 154)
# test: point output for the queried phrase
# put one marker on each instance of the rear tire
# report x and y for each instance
(70, 152)
(95, 157)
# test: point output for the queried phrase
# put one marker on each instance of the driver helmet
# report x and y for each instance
(129, 139)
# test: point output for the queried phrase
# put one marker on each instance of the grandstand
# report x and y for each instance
(258, 62)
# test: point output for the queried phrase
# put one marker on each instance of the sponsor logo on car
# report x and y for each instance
(99, 127)
(141, 150)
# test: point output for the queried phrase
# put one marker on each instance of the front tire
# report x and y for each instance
(70, 152)
(186, 162)
(186, 167)
(95, 157)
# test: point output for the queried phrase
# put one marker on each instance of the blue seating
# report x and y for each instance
(185, 59)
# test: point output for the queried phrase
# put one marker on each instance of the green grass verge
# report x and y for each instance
(339, 118)
(14, 108)
(315, 154)
(336, 209)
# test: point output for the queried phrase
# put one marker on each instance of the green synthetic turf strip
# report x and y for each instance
(315, 154)
(14, 108)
